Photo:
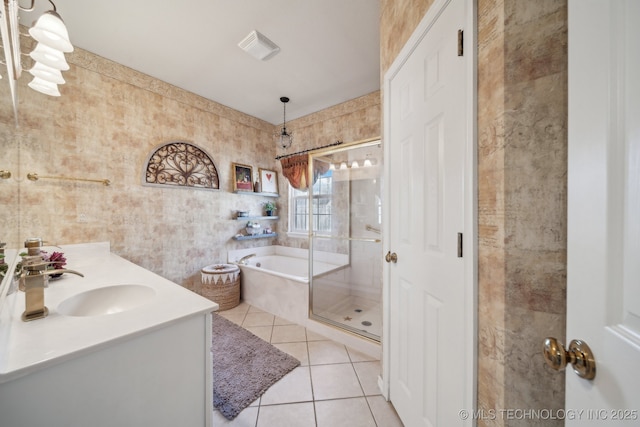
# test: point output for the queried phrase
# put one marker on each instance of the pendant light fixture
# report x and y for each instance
(284, 138)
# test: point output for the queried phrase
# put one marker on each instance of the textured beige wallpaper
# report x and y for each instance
(106, 123)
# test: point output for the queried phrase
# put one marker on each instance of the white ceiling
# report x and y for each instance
(329, 49)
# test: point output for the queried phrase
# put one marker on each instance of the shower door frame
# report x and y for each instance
(369, 142)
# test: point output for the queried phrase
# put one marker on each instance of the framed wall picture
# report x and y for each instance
(242, 177)
(268, 181)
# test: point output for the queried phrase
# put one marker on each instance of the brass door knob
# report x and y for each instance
(579, 355)
(391, 257)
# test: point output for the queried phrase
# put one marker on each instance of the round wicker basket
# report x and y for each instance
(221, 284)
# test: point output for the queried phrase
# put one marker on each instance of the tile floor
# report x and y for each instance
(334, 386)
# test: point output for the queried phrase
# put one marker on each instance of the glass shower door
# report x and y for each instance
(345, 245)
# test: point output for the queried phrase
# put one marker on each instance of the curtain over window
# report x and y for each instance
(295, 169)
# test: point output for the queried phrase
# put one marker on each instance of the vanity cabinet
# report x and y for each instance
(155, 379)
(147, 365)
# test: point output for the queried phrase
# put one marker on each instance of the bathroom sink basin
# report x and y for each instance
(106, 300)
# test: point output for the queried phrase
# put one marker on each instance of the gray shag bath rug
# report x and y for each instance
(244, 366)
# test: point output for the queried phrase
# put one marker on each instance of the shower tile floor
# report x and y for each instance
(334, 386)
(359, 313)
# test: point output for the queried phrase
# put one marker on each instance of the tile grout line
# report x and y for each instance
(313, 394)
(309, 366)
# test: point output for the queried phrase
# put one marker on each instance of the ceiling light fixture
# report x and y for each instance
(284, 138)
(53, 41)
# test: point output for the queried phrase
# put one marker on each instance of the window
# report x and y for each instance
(299, 206)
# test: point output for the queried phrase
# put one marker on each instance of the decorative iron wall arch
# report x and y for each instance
(181, 164)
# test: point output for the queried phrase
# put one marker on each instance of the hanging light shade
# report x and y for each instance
(51, 31)
(53, 40)
(284, 138)
(46, 73)
(44, 86)
(49, 56)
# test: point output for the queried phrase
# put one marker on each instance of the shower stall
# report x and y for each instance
(345, 219)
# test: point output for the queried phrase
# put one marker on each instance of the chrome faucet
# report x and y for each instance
(34, 279)
(244, 259)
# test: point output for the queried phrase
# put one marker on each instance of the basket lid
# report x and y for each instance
(220, 268)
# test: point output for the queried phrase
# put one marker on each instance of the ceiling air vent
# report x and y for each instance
(258, 46)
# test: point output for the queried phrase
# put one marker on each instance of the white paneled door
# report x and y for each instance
(430, 342)
(603, 251)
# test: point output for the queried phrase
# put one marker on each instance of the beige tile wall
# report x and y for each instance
(522, 114)
(107, 121)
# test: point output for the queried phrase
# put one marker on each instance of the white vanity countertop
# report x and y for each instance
(29, 346)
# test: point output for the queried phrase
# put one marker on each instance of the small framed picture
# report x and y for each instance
(242, 177)
(268, 181)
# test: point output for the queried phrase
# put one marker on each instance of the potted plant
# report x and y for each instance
(270, 208)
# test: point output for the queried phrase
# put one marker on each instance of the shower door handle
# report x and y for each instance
(391, 257)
